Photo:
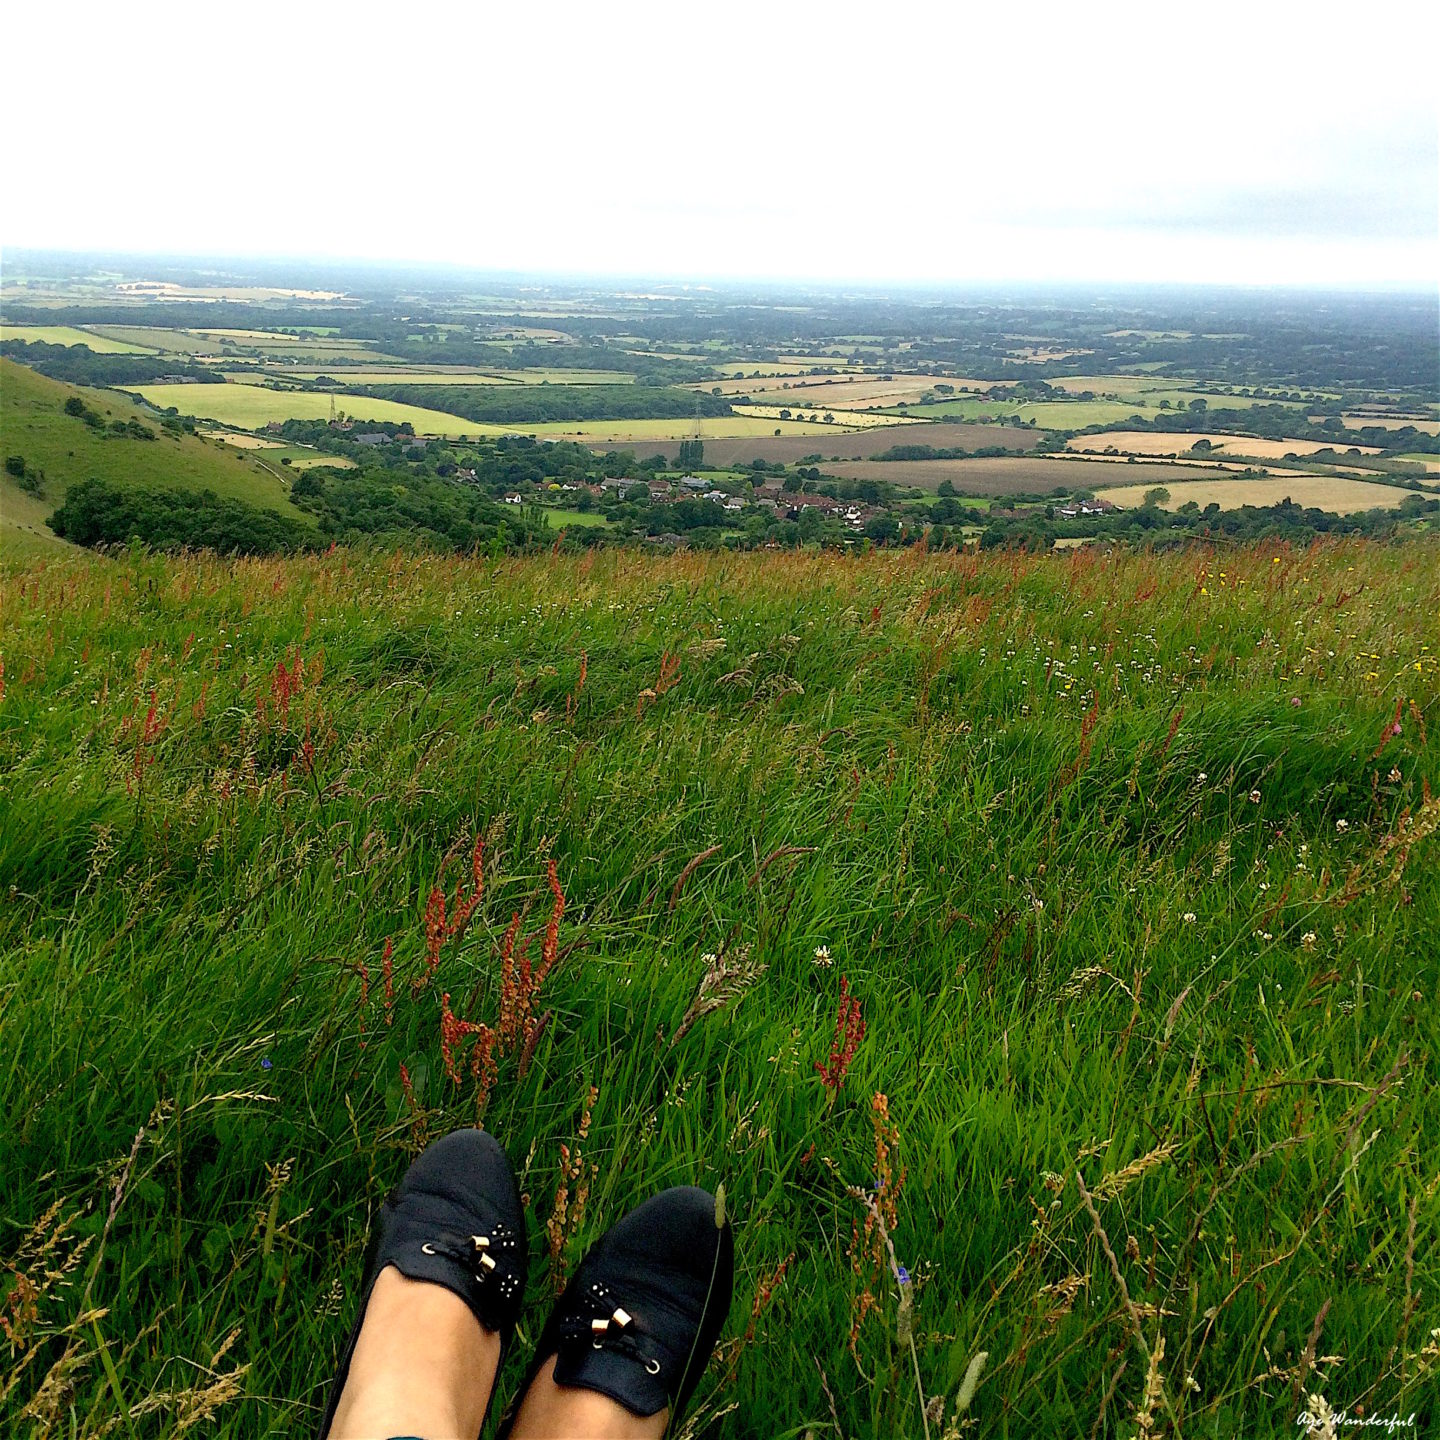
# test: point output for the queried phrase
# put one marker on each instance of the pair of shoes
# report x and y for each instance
(637, 1323)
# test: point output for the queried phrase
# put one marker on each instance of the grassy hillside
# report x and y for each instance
(1129, 863)
(33, 423)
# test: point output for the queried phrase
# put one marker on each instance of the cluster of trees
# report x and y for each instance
(536, 404)
(27, 477)
(1150, 525)
(97, 513)
(411, 508)
(132, 429)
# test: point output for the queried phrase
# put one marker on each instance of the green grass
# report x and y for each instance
(1184, 946)
(1047, 414)
(558, 518)
(251, 406)
(71, 335)
(23, 531)
(34, 424)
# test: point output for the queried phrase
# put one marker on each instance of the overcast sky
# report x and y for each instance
(1252, 142)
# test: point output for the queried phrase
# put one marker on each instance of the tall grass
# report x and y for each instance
(1127, 862)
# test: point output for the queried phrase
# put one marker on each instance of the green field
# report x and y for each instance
(1121, 856)
(251, 406)
(33, 424)
(558, 518)
(72, 335)
(1047, 414)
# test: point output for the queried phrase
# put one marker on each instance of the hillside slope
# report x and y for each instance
(35, 425)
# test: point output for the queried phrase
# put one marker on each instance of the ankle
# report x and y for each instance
(423, 1365)
(559, 1412)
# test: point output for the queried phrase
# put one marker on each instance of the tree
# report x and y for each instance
(1158, 496)
(946, 488)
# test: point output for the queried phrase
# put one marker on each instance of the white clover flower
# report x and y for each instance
(822, 957)
(1341, 826)
(1188, 917)
(1254, 797)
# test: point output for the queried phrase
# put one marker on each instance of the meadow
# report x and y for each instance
(66, 449)
(1047, 414)
(1065, 922)
(251, 406)
(72, 335)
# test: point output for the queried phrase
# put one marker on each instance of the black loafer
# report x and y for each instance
(454, 1220)
(641, 1317)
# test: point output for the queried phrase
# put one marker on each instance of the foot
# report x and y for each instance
(560, 1412)
(629, 1339)
(423, 1365)
(444, 1283)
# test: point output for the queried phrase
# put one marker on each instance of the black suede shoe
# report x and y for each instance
(641, 1317)
(454, 1220)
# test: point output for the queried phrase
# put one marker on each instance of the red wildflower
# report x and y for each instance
(849, 1032)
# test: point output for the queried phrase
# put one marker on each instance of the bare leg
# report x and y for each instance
(559, 1412)
(423, 1365)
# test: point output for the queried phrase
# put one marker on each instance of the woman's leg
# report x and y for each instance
(558, 1412)
(423, 1366)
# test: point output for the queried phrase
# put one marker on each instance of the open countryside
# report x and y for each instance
(1322, 492)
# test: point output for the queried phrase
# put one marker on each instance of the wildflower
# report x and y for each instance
(1188, 917)
(822, 957)
(1295, 700)
(1341, 826)
(1394, 775)
(902, 1274)
(849, 1032)
(1254, 797)
(1307, 940)
(267, 1063)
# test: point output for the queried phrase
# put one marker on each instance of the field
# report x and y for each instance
(1425, 427)
(23, 531)
(1047, 414)
(712, 427)
(558, 519)
(1326, 492)
(844, 419)
(258, 343)
(831, 392)
(71, 335)
(1146, 442)
(1005, 474)
(835, 445)
(251, 406)
(1128, 862)
(34, 424)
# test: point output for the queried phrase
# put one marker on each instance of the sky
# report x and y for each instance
(1260, 143)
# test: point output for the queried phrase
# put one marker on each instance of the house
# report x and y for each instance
(659, 489)
(734, 503)
(372, 437)
(514, 499)
(694, 482)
